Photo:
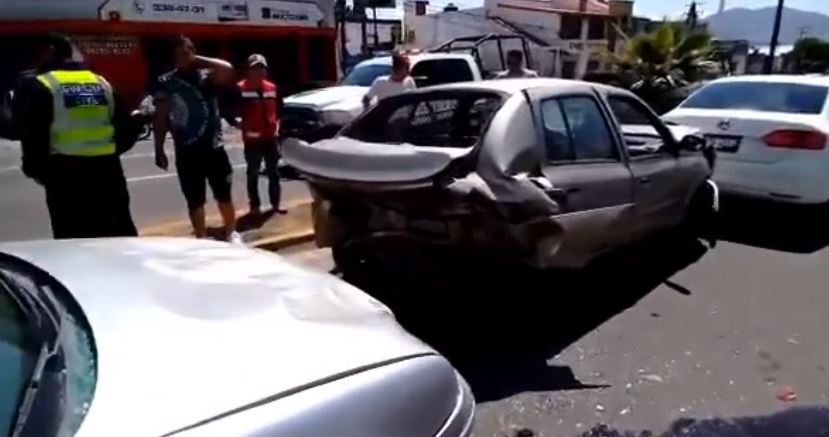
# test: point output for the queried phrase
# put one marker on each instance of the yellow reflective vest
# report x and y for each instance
(83, 108)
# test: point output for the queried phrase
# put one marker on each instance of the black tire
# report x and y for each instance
(701, 217)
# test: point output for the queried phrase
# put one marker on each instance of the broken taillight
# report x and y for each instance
(796, 139)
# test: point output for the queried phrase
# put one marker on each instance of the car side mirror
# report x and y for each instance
(692, 143)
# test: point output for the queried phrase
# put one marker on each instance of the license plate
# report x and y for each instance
(723, 143)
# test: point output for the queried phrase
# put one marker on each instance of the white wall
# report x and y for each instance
(354, 36)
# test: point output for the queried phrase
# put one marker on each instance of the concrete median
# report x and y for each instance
(269, 231)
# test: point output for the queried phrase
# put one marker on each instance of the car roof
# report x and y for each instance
(414, 58)
(821, 80)
(513, 86)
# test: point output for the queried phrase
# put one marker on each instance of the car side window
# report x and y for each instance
(576, 130)
(640, 132)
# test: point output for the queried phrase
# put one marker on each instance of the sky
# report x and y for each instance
(656, 9)
(672, 8)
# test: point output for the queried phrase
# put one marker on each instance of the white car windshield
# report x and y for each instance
(364, 75)
(791, 98)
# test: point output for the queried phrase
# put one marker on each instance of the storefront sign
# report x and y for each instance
(233, 11)
(107, 46)
(287, 13)
(183, 11)
(237, 12)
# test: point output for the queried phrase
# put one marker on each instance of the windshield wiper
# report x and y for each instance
(33, 387)
(34, 309)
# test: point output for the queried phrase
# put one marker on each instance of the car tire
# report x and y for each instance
(702, 215)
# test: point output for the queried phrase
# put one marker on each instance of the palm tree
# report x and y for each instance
(658, 62)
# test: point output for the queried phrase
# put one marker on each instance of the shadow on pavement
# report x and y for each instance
(800, 422)
(786, 228)
(500, 322)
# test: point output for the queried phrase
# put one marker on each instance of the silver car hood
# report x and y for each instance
(343, 158)
(186, 330)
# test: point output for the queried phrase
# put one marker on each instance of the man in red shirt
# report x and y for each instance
(260, 131)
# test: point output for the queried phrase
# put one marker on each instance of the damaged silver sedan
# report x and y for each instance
(553, 172)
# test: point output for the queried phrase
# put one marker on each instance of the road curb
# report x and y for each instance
(281, 231)
(284, 241)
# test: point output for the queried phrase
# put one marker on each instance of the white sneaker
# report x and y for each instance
(235, 238)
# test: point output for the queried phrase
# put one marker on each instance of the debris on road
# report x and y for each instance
(600, 408)
(652, 378)
(787, 394)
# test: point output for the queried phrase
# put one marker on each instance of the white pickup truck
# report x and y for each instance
(319, 114)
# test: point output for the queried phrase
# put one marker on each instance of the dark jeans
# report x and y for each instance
(255, 153)
(88, 198)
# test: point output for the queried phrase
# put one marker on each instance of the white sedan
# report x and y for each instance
(770, 132)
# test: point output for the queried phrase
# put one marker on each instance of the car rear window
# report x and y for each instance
(760, 96)
(440, 119)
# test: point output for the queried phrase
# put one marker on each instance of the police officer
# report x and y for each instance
(72, 133)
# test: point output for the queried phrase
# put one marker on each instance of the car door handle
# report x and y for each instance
(644, 180)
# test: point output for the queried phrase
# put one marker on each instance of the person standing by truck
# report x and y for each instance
(515, 67)
(399, 81)
(260, 104)
(187, 106)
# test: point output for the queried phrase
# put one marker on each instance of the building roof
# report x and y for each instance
(592, 7)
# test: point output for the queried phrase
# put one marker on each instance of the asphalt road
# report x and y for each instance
(665, 338)
(155, 194)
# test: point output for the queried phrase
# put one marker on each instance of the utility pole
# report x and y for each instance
(775, 34)
(374, 14)
(804, 32)
(341, 20)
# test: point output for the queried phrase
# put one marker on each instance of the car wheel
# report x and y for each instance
(702, 216)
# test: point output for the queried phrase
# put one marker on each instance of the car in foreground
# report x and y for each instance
(770, 134)
(180, 337)
(554, 172)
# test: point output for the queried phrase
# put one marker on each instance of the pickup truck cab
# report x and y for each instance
(321, 113)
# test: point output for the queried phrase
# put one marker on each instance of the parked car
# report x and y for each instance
(320, 114)
(770, 132)
(175, 337)
(554, 172)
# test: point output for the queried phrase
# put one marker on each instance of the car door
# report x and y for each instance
(660, 182)
(586, 170)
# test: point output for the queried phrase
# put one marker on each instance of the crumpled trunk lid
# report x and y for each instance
(346, 159)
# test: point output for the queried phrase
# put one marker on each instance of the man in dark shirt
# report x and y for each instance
(187, 106)
(87, 195)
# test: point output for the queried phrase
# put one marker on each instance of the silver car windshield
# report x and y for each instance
(70, 351)
(437, 119)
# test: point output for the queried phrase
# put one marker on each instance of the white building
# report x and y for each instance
(564, 35)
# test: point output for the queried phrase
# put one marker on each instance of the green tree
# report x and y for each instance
(810, 55)
(655, 64)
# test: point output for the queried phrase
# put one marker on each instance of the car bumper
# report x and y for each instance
(800, 182)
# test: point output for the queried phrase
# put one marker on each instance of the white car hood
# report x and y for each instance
(186, 330)
(346, 159)
(344, 95)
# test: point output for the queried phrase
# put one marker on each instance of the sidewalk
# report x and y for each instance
(271, 231)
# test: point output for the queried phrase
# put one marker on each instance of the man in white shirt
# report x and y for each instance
(515, 67)
(398, 82)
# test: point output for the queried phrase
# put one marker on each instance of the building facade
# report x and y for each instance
(565, 36)
(128, 41)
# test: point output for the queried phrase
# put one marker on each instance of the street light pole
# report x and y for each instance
(775, 34)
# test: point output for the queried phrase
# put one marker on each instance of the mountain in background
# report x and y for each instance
(755, 25)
